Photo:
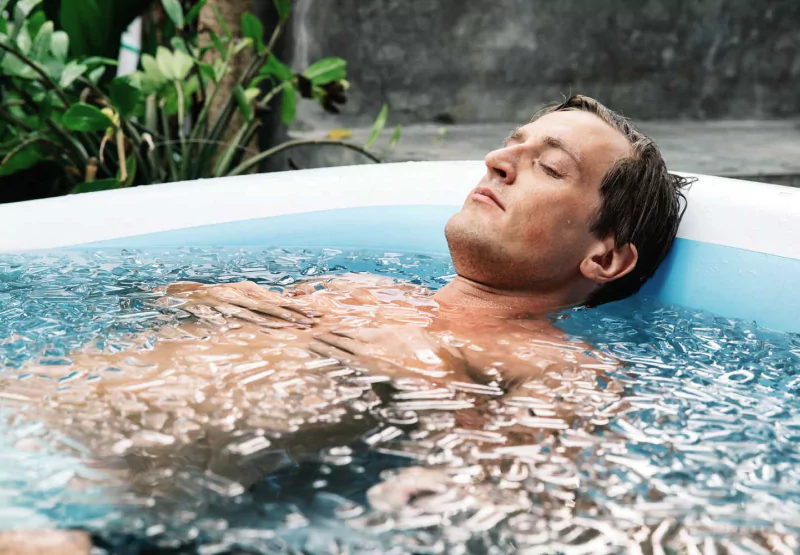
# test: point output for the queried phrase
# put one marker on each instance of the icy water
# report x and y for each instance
(156, 424)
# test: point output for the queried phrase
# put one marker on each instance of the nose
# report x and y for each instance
(501, 164)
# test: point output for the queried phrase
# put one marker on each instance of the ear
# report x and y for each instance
(607, 261)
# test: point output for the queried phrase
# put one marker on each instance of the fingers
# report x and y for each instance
(263, 301)
(233, 311)
(348, 345)
(329, 351)
(206, 314)
(181, 287)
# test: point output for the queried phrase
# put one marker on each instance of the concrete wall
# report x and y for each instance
(498, 60)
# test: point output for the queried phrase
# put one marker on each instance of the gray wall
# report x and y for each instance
(498, 60)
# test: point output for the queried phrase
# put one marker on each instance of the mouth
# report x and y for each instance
(483, 194)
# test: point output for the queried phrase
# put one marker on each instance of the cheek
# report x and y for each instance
(559, 224)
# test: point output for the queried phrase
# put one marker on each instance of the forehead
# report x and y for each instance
(596, 142)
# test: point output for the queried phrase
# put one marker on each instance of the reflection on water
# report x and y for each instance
(179, 420)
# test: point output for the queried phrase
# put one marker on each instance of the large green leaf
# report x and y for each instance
(181, 64)
(326, 70)
(174, 10)
(164, 63)
(11, 65)
(124, 96)
(85, 117)
(378, 126)
(42, 42)
(284, 8)
(241, 101)
(99, 185)
(288, 105)
(277, 68)
(253, 30)
(59, 45)
(72, 71)
(35, 22)
(192, 14)
(27, 6)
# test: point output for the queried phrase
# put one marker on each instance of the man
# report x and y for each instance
(576, 208)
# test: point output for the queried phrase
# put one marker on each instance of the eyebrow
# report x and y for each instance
(519, 136)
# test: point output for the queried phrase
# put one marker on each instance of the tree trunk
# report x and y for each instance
(272, 131)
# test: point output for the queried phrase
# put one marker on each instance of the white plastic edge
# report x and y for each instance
(753, 216)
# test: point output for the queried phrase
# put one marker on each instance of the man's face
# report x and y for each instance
(526, 225)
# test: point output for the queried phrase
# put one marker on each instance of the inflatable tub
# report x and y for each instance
(737, 252)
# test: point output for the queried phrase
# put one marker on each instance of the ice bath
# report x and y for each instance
(675, 427)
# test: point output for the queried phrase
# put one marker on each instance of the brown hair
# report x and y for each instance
(640, 201)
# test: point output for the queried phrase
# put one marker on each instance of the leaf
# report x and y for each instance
(27, 6)
(165, 64)
(207, 71)
(99, 185)
(377, 127)
(174, 10)
(194, 12)
(252, 93)
(241, 101)
(35, 22)
(59, 45)
(284, 8)
(179, 44)
(275, 67)
(41, 44)
(96, 74)
(181, 64)
(12, 65)
(217, 42)
(326, 70)
(150, 67)
(99, 60)
(72, 71)
(24, 42)
(124, 96)
(226, 30)
(395, 136)
(288, 105)
(254, 30)
(85, 117)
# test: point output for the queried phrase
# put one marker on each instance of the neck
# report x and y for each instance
(468, 294)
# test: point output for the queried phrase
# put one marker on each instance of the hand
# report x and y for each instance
(390, 348)
(244, 300)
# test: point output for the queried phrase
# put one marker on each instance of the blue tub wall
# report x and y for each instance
(737, 252)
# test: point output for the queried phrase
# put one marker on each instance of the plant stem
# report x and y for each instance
(137, 145)
(168, 151)
(236, 143)
(19, 123)
(258, 158)
(22, 145)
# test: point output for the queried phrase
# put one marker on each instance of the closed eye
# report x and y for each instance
(551, 171)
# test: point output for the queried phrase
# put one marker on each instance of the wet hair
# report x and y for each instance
(640, 201)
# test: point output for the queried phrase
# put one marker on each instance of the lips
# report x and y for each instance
(483, 191)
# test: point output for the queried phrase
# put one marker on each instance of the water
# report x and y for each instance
(239, 441)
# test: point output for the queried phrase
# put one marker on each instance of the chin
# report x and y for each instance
(475, 252)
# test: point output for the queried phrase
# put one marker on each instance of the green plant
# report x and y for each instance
(155, 125)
